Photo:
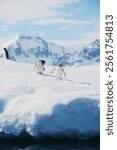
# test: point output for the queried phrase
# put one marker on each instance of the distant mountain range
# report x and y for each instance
(29, 49)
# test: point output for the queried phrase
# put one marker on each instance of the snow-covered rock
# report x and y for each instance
(42, 106)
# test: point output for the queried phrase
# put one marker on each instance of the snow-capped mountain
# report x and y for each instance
(92, 51)
(31, 48)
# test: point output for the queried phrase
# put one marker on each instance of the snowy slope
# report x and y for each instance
(31, 48)
(41, 105)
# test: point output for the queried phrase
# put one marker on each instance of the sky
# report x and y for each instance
(64, 22)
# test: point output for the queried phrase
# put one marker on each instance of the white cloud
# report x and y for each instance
(87, 38)
(5, 41)
(74, 43)
(81, 42)
(61, 21)
(13, 11)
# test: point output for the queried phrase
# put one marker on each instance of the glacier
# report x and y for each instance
(41, 106)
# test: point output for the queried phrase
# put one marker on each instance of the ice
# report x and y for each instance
(42, 105)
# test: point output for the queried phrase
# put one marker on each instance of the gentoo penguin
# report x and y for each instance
(59, 72)
(39, 66)
(4, 53)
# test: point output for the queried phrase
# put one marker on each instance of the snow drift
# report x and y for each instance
(41, 106)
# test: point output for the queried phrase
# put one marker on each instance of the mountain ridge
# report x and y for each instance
(29, 49)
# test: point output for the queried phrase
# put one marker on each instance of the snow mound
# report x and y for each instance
(41, 106)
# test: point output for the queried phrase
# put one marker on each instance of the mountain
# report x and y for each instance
(91, 53)
(87, 55)
(29, 49)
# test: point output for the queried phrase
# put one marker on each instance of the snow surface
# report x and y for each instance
(42, 105)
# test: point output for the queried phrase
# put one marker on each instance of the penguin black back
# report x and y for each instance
(6, 53)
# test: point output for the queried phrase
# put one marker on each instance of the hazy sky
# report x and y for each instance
(65, 22)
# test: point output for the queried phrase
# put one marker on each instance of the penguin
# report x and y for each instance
(59, 72)
(39, 66)
(4, 53)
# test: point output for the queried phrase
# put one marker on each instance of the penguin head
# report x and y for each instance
(5, 49)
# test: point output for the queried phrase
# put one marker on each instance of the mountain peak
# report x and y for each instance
(95, 44)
